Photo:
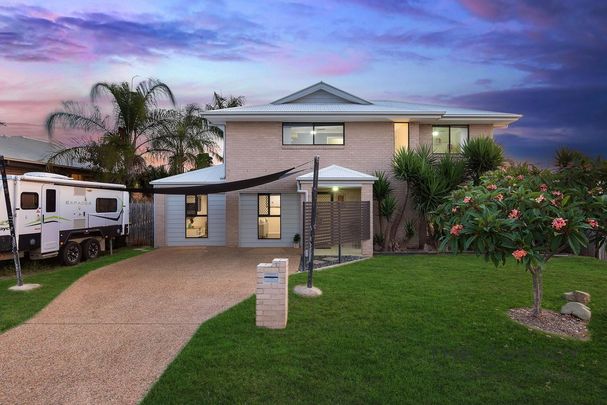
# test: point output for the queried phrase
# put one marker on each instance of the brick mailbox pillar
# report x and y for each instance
(272, 294)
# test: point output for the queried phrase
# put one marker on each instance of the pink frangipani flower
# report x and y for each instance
(559, 223)
(456, 229)
(499, 197)
(540, 198)
(491, 187)
(514, 214)
(593, 223)
(467, 200)
(544, 187)
(519, 254)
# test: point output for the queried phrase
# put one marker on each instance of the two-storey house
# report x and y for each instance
(354, 138)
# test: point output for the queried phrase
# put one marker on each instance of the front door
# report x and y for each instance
(49, 238)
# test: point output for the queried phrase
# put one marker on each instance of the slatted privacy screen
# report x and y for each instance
(338, 222)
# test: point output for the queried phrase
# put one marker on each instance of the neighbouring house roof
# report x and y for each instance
(213, 174)
(322, 101)
(29, 150)
(337, 173)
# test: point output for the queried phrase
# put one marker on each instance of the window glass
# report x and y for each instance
(268, 216)
(275, 204)
(196, 227)
(51, 200)
(401, 136)
(297, 134)
(440, 139)
(313, 134)
(29, 201)
(106, 205)
(328, 134)
(269, 228)
(196, 216)
(459, 136)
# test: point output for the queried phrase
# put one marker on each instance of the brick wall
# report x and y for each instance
(272, 299)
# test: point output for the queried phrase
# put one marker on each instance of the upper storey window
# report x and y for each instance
(312, 134)
(449, 138)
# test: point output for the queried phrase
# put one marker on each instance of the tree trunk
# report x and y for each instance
(399, 216)
(381, 230)
(536, 277)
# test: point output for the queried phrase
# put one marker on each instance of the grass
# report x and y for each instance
(17, 307)
(412, 329)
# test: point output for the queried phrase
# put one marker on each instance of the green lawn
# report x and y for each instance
(409, 329)
(16, 307)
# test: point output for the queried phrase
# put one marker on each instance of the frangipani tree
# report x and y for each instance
(524, 214)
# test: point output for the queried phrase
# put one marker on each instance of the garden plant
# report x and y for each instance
(529, 214)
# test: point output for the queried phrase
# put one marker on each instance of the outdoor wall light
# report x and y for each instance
(335, 188)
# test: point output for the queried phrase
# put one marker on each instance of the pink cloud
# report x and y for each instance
(332, 64)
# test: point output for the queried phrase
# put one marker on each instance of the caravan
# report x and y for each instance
(56, 215)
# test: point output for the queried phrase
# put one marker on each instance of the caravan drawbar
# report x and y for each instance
(57, 215)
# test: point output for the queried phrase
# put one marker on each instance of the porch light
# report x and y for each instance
(434, 133)
(335, 188)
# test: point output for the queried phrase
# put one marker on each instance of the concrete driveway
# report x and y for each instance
(108, 337)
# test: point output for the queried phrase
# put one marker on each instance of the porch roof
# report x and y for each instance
(337, 173)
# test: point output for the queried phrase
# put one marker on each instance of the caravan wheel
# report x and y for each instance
(71, 253)
(90, 249)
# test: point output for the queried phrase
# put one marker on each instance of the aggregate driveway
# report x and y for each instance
(108, 337)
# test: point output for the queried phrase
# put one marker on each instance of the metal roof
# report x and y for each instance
(213, 174)
(337, 173)
(33, 150)
(352, 107)
(321, 86)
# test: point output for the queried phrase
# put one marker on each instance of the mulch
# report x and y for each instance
(552, 322)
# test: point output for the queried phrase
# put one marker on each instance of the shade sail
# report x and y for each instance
(213, 188)
(219, 187)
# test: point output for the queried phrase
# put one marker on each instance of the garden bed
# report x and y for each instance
(552, 322)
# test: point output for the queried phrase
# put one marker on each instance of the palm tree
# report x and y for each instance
(186, 140)
(220, 102)
(124, 136)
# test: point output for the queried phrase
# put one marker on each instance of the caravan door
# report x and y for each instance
(49, 229)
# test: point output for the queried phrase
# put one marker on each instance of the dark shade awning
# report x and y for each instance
(217, 187)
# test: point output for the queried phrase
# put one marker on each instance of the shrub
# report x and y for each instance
(481, 155)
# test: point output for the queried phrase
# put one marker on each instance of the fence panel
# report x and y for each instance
(141, 229)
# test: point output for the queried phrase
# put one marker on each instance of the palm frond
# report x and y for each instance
(152, 89)
(75, 116)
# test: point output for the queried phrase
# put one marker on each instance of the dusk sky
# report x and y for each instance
(546, 60)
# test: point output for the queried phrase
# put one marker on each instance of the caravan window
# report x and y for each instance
(51, 201)
(29, 201)
(106, 205)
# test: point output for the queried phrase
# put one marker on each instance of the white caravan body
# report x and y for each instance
(50, 210)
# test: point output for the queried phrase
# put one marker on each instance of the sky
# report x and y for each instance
(544, 59)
